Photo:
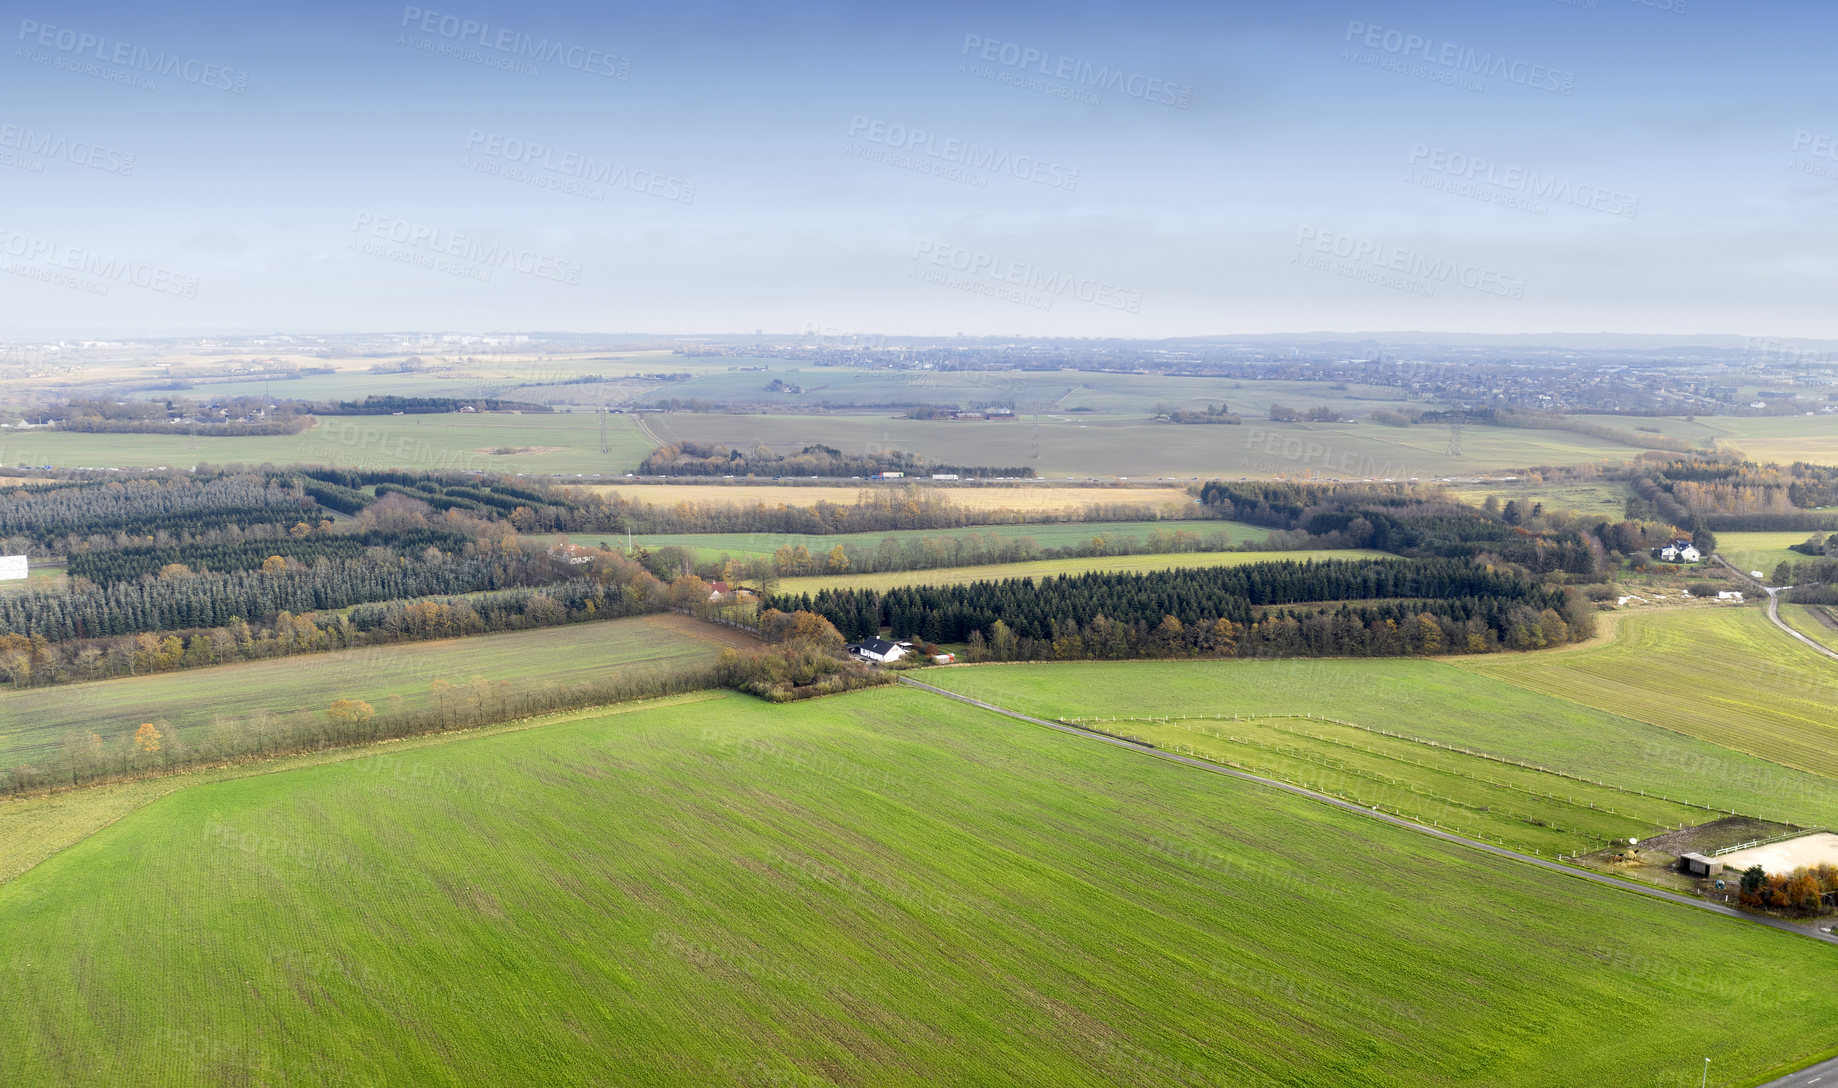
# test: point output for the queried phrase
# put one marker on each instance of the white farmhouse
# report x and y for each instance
(878, 649)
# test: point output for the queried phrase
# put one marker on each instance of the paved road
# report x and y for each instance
(1825, 1074)
(1300, 791)
(1774, 613)
(1774, 605)
(1743, 574)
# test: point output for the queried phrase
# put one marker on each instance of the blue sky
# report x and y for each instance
(1506, 167)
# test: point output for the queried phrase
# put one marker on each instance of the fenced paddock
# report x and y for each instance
(1787, 855)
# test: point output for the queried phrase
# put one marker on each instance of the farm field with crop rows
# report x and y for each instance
(651, 896)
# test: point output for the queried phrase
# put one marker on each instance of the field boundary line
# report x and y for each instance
(342, 754)
(1426, 742)
(1456, 662)
(1774, 614)
(1408, 825)
(1336, 763)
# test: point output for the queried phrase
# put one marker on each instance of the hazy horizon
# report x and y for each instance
(1145, 172)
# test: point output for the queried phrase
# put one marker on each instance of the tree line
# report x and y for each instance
(160, 748)
(719, 459)
(202, 428)
(1501, 605)
(488, 497)
(209, 599)
(1385, 630)
(610, 588)
(1395, 518)
(396, 405)
(64, 513)
(973, 549)
(870, 510)
(799, 662)
(1414, 521)
(46, 515)
(1213, 413)
(1807, 890)
(226, 417)
(105, 566)
(1722, 493)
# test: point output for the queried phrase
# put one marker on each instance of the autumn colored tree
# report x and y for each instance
(687, 592)
(1802, 891)
(776, 626)
(1225, 638)
(1169, 636)
(794, 561)
(350, 711)
(147, 738)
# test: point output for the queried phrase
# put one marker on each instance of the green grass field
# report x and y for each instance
(1606, 498)
(567, 442)
(34, 722)
(1806, 620)
(465, 371)
(1047, 568)
(1780, 439)
(710, 546)
(1103, 445)
(1138, 447)
(1434, 700)
(1052, 393)
(882, 888)
(1727, 676)
(1523, 808)
(1761, 551)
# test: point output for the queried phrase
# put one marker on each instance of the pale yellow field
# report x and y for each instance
(1047, 568)
(1783, 439)
(1038, 499)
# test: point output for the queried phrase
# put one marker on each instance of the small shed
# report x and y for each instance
(1699, 865)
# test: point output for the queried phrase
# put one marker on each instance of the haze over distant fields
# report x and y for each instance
(1102, 169)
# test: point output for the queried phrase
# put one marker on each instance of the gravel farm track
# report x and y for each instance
(1613, 882)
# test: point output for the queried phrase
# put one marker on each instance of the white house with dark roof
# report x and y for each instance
(878, 649)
